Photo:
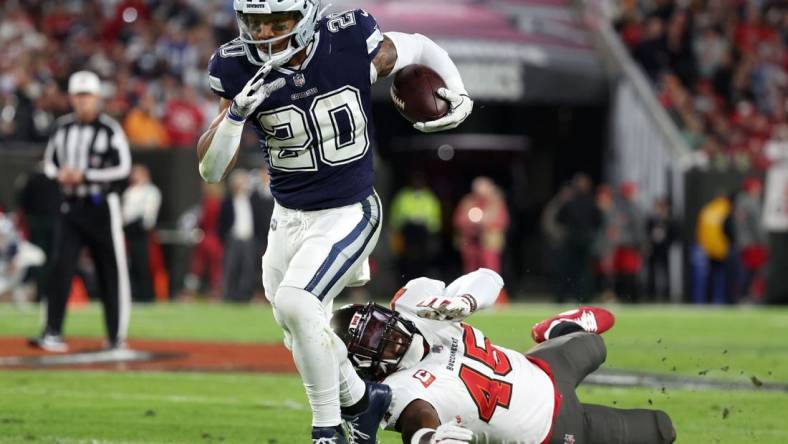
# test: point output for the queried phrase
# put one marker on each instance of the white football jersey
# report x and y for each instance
(497, 393)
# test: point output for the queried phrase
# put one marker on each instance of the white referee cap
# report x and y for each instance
(84, 82)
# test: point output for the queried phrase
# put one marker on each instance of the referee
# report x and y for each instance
(89, 156)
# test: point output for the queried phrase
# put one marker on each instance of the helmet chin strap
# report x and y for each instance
(414, 354)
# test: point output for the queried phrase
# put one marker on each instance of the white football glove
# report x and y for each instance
(447, 309)
(451, 434)
(253, 94)
(460, 107)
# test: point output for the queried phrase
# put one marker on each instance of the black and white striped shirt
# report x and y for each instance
(98, 149)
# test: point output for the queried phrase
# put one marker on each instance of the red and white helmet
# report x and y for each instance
(298, 39)
(379, 341)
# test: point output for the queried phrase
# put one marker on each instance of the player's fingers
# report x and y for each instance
(455, 313)
(448, 121)
(449, 95)
(275, 85)
(456, 432)
(261, 73)
(259, 77)
(422, 126)
(427, 314)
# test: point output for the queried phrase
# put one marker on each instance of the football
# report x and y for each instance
(414, 93)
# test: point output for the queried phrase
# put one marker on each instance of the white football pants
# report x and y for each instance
(311, 257)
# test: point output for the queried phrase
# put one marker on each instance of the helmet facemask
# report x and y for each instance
(379, 341)
(249, 16)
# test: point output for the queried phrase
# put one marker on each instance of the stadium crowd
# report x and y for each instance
(150, 55)
(720, 69)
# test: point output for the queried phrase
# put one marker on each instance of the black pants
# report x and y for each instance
(97, 226)
(241, 270)
(139, 263)
(577, 281)
(571, 358)
(659, 277)
(42, 234)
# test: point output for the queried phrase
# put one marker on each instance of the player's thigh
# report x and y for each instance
(572, 357)
(334, 248)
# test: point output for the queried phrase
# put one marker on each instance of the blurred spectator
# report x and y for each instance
(415, 217)
(19, 125)
(206, 260)
(715, 233)
(237, 224)
(581, 220)
(141, 203)
(16, 257)
(555, 237)
(711, 50)
(650, 52)
(630, 242)
(662, 233)
(751, 238)
(480, 223)
(605, 243)
(39, 200)
(143, 125)
(183, 118)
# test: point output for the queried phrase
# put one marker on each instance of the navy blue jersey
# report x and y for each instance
(317, 130)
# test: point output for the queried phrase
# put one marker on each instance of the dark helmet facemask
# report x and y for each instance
(379, 340)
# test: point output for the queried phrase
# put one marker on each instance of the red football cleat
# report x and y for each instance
(592, 319)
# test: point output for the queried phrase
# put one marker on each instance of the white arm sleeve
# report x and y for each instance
(483, 284)
(418, 49)
(221, 151)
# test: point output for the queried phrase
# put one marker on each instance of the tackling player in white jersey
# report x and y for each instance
(452, 385)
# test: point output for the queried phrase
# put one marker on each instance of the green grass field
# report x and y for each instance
(127, 407)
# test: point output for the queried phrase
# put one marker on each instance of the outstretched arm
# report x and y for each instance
(483, 285)
(467, 294)
(419, 424)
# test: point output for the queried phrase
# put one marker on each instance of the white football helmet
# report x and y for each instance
(298, 39)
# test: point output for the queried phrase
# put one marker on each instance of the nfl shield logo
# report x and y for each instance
(299, 80)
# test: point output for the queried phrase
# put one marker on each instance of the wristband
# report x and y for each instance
(232, 116)
(471, 301)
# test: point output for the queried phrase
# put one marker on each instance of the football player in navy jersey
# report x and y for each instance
(303, 82)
